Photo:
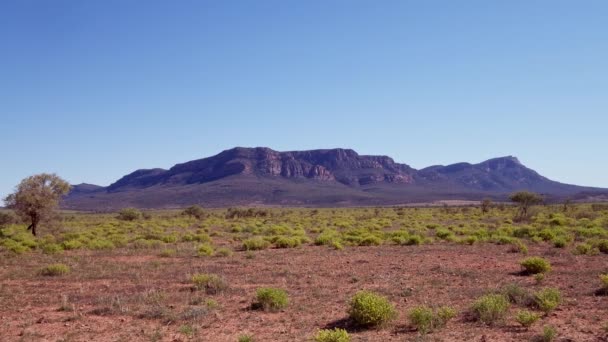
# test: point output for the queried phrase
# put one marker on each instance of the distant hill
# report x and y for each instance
(329, 177)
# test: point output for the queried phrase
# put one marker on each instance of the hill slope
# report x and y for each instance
(262, 176)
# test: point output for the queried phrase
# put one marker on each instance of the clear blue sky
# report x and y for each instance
(93, 90)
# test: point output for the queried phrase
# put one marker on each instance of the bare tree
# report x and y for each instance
(37, 197)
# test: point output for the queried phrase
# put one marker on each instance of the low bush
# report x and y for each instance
(526, 318)
(583, 249)
(210, 283)
(14, 246)
(270, 299)
(287, 242)
(52, 248)
(194, 211)
(129, 214)
(517, 295)
(604, 281)
(245, 338)
(603, 246)
(55, 270)
(327, 237)
(224, 252)
(255, 243)
(519, 247)
(425, 319)
(370, 309)
(547, 299)
(71, 244)
(332, 335)
(549, 334)
(535, 265)
(560, 242)
(205, 250)
(167, 253)
(490, 308)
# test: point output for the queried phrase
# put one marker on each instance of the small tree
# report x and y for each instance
(194, 211)
(525, 200)
(486, 204)
(36, 198)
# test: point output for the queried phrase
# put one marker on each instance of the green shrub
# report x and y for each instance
(539, 278)
(603, 246)
(201, 237)
(129, 214)
(327, 237)
(52, 248)
(421, 318)
(335, 335)
(211, 304)
(503, 240)
(100, 244)
(336, 244)
(14, 246)
(224, 252)
(549, 334)
(245, 338)
(547, 234)
(526, 318)
(370, 309)
(547, 299)
(287, 242)
(519, 247)
(425, 319)
(583, 249)
(71, 244)
(270, 299)
(171, 238)
(471, 240)
(255, 243)
(414, 240)
(534, 265)
(55, 270)
(604, 281)
(517, 295)
(560, 242)
(210, 283)
(443, 234)
(167, 253)
(205, 250)
(490, 308)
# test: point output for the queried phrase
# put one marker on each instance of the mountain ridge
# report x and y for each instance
(338, 176)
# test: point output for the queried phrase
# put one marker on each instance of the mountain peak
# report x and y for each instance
(511, 159)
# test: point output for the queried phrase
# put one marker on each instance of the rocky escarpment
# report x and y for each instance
(246, 176)
(341, 165)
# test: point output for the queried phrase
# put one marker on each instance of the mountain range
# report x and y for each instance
(328, 177)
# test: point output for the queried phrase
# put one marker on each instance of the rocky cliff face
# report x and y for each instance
(318, 177)
(341, 165)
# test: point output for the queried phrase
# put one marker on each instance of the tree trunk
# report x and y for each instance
(33, 225)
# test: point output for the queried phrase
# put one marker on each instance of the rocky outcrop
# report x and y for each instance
(315, 177)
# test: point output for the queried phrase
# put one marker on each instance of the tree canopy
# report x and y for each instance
(37, 197)
(525, 199)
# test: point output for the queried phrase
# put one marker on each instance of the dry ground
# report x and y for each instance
(138, 296)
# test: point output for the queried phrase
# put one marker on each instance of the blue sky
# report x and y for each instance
(93, 90)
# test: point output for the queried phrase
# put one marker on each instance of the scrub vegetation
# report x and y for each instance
(324, 274)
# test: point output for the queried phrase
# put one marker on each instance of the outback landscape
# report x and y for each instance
(484, 272)
(303, 171)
